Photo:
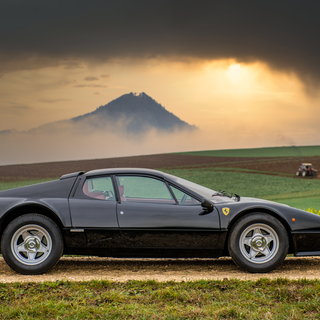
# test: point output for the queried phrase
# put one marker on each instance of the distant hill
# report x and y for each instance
(129, 125)
(130, 113)
(135, 114)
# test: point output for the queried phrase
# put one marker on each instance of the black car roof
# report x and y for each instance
(124, 170)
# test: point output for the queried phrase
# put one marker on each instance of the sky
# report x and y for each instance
(246, 73)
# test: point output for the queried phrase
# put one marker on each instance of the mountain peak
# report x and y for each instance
(139, 95)
(130, 113)
(133, 113)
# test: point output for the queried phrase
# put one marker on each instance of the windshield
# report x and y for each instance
(203, 191)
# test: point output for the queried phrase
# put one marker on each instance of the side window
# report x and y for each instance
(99, 188)
(144, 189)
(184, 198)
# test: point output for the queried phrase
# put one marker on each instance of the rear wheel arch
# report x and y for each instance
(260, 210)
(27, 209)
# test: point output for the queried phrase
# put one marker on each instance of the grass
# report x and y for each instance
(300, 193)
(228, 299)
(293, 151)
(301, 203)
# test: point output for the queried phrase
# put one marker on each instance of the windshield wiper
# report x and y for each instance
(226, 194)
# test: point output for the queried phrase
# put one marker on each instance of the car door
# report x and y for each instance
(93, 209)
(152, 214)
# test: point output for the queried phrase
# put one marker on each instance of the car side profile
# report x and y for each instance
(129, 212)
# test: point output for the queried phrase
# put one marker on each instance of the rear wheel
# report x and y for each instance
(298, 173)
(304, 173)
(258, 243)
(32, 244)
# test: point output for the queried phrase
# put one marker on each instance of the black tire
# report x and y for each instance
(258, 243)
(32, 244)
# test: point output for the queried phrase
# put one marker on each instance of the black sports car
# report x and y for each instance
(147, 213)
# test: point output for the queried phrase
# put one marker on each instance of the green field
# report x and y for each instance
(293, 151)
(228, 299)
(299, 193)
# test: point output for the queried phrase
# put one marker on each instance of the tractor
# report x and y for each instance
(306, 169)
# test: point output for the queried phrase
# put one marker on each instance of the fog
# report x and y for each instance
(70, 143)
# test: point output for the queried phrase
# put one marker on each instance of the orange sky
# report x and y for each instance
(250, 105)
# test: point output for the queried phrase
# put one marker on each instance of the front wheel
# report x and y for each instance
(31, 244)
(258, 242)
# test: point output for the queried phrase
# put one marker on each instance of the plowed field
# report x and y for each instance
(56, 169)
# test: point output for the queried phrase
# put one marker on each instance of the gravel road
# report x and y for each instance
(88, 268)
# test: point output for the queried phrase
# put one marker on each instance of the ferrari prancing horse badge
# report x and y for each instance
(225, 211)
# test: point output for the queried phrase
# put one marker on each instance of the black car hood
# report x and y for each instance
(296, 219)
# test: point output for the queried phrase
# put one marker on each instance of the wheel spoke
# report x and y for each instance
(247, 241)
(39, 235)
(25, 234)
(266, 251)
(42, 248)
(253, 253)
(256, 231)
(268, 238)
(31, 255)
(21, 247)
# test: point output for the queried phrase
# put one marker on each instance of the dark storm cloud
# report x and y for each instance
(283, 34)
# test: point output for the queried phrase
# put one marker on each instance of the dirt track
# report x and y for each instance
(88, 268)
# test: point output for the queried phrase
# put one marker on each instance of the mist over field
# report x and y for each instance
(73, 144)
(68, 142)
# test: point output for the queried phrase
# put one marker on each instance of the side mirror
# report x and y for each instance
(207, 205)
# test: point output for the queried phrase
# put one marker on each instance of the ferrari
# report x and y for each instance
(131, 212)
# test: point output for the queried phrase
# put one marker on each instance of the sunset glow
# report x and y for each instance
(235, 72)
(202, 94)
(243, 85)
